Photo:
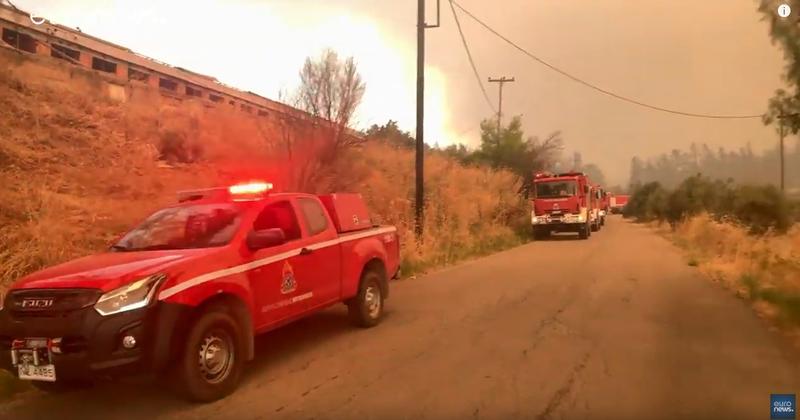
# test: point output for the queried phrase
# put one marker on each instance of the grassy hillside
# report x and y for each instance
(76, 170)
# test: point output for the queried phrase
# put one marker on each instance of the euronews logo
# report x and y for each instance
(782, 406)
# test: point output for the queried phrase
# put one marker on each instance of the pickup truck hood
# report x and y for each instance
(110, 270)
(548, 205)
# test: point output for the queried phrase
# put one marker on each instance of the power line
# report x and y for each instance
(471, 61)
(591, 86)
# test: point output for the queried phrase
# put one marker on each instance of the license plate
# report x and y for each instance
(37, 373)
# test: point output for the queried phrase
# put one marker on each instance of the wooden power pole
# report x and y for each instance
(502, 80)
(419, 197)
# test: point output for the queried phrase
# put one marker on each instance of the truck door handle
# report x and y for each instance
(305, 251)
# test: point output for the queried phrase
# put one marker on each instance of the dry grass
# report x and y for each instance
(468, 210)
(764, 269)
(76, 171)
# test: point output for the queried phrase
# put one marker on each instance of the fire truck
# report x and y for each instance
(184, 293)
(595, 205)
(563, 203)
(603, 205)
(617, 203)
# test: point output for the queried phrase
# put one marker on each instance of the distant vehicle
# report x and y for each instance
(617, 203)
(562, 203)
(605, 209)
(596, 206)
(186, 291)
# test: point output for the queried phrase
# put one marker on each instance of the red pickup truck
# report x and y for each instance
(185, 292)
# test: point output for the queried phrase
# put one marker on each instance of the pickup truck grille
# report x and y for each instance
(49, 302)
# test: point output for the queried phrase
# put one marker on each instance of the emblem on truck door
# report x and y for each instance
(288, 283)
(355, 219)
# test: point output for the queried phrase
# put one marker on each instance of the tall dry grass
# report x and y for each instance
(77, 170)
(469, 210)
(762, 268)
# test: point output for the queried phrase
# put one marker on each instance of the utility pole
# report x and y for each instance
(419, 199)
(502, 80)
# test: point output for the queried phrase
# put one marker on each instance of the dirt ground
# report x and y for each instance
(616, 327)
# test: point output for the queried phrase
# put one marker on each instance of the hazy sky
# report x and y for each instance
(711, 56)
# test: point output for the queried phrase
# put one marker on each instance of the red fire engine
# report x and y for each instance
(186, 291)
(562, 203)
(617, 203)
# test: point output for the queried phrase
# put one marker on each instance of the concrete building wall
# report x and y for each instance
(97, 52)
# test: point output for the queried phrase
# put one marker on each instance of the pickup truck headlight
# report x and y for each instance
(129, 297)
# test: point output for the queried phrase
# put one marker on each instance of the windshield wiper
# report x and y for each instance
(117, 247)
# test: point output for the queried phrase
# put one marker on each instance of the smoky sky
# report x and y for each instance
(711, 56)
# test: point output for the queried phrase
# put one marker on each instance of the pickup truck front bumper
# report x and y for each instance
(82, 344)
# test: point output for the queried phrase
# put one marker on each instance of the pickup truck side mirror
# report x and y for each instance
(267, 238)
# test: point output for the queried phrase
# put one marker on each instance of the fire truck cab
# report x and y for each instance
(562, 203)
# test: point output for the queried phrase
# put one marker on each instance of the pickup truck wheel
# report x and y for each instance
(212, 359)
(366, 309)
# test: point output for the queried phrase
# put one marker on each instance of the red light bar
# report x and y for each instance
(250, 188)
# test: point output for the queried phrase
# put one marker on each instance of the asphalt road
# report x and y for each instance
(616, 327)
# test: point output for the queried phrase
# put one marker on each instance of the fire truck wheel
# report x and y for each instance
(212, 359)
(540, 234)
(585, 232)
(366, 309)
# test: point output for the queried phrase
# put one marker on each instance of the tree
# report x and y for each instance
(331, 90)
(595, 174)
(786, 33)
(391, 134)
(508, 148)
(457, 151)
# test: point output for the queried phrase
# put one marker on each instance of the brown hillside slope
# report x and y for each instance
(77, 169)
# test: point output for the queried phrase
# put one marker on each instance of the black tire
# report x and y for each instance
(366, 309)
(539, 234)
(584, 232)
(595, 226)
(200, 378)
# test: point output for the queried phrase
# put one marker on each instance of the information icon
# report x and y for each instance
(784, 10)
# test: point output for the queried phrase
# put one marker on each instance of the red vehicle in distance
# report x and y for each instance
(186, 291)
(617, 203)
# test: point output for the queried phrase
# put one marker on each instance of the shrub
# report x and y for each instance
(647, 202)
(759, 208)
(175, 147)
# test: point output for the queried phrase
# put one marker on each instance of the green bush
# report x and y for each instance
(760, 208)
(647, 202)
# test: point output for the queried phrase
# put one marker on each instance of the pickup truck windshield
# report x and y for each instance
(194, 226)
(555, 189)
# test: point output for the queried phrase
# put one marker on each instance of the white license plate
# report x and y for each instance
(37, 373)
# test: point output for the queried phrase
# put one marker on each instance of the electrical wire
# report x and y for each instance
(471, 60)
(591, 86)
